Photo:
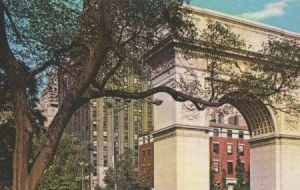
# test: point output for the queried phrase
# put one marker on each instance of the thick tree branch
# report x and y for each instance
(176, 95)
(98, 50)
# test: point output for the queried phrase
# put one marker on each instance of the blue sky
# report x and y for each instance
(280, 13)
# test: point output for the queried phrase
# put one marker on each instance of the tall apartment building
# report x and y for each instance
(115, 125)
(49, 99)
(112, 125)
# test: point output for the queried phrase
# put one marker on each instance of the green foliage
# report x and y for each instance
(270, 74)
(126, 175)
(66, 171)
(212, 181)
(223, 180)
(240, 185)
(58, 21)
(239, 175)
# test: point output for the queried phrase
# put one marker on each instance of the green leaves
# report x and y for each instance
(127, 176)
(65, 172)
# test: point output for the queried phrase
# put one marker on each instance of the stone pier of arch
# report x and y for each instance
(181, 140)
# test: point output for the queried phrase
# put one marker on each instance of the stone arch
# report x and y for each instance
(257, 115)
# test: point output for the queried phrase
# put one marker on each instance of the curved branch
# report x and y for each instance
(176, 95)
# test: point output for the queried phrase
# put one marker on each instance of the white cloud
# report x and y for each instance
(270, 10)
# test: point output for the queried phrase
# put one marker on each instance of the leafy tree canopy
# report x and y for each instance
(125, 175)
(70, 165)
(95, 41)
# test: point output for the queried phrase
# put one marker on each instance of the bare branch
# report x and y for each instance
(4, 47)
(176, 95)
(14, 27)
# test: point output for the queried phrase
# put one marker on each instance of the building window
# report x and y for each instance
(241, 150)
(149, 153)
(94, 133)
(243, 166)
(104, 143)
(241, 134)
(94, 113)
(216, 132)
(216, 166)
(95, 143)
(229, 133)
(221, 118)
(105, 163)
(94, 173)
(230, 168)
(236, 120)
(229, 149)
(216, 148)
(144, 154)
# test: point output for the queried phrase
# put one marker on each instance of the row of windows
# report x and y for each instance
(216, 149)
(220, 119)
(216, 133)
(216, 167)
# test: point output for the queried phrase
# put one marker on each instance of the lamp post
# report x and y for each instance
(82, 165)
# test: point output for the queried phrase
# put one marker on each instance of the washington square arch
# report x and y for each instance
(181, 144)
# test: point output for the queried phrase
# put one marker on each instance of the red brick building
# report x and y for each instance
(227, 144)
(146, 156)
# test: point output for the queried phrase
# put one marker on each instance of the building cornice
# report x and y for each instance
(243, 22)
(274, 139)
(172, 131)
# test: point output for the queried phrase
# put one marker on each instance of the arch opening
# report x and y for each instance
(256, 114)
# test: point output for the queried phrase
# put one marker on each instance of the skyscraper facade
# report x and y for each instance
(115, 125)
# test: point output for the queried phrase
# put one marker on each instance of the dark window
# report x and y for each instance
(105, 163)
(241, 134)
(221, 118)
(229, 149)
(243, 166)
(230, 168)
(229, 133)
(149, 153)
(144, 154)
(94, 113)
(216, 148)
(216, 132)
(241, 150)
(216, 166)
(236, 120)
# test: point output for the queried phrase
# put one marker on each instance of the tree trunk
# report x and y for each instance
(25, 178)
(20, 164)
(23, 127)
